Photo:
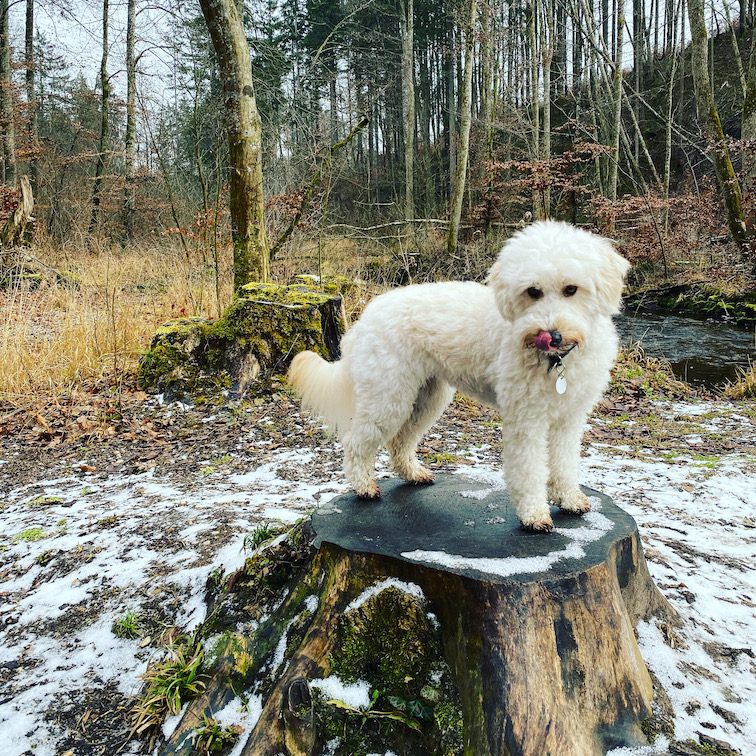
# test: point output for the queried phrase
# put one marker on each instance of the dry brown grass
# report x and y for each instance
(60, 335)
(745, 385)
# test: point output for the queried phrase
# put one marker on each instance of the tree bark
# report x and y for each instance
(407, 33)
(617, 86)
(6, 100)
(244, 130)
(129, 196)
(708, 114)
(104, 145)
(31, 97)
(465, 107)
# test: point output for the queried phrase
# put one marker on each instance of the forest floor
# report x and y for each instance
(129, 505)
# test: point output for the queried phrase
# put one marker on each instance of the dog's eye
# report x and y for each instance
(569, 291)
(534, 293)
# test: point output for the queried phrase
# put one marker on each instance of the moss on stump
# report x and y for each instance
(254, 340)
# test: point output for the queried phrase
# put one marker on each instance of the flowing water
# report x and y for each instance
(703, 353)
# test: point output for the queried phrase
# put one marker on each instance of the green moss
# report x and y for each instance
(30, 535)
(415, 708)
(441, 458)
(448, 717)
(385, 640)
(45, 501)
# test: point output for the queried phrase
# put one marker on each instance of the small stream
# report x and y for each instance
(703, 353)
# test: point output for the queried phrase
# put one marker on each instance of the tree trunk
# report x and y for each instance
(465, 107)
(129, 199)
(31, 97)
(709, 116)
(407, 27)
(244, 130)
(473, 637)
(104, 124)
(617, 82)
(547, 51)
(6, 100)
(535, 103)
(450, 112)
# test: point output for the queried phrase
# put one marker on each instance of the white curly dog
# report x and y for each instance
(537, 343)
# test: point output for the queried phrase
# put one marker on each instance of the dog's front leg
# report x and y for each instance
(564, 463)
(525, 462)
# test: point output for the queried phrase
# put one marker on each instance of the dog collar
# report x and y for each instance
(555, 361)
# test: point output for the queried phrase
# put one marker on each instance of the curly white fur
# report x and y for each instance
(412, 347)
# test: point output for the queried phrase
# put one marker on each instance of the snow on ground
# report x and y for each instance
(79, 550)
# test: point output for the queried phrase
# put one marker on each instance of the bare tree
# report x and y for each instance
(244, 131)
(104, 145)
(129, 199)
(6, 100)
(463, 146)
(617, 82)
(31, 97)
(407, 27)
(709, 116)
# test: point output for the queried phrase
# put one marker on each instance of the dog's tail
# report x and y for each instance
(325, 389)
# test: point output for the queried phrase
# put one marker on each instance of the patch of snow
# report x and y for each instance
(311, 604)
(597, 526)
(279, 653)
(660, 745)
(356, 695)
(246, 719)
(374, 590)
(172, 722)
(282, 515)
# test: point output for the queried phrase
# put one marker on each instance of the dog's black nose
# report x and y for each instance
(556, 338)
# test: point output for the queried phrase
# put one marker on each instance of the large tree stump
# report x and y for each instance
(472, 635)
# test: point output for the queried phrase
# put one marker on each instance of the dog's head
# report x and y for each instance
(552, 280)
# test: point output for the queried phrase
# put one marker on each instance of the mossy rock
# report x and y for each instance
(254, 340)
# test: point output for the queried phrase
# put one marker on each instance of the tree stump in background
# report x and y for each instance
(254, 340)
(429, 622)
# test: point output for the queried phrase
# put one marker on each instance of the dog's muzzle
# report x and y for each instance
(548, 341)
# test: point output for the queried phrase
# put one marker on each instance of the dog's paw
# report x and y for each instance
(420, 476)
(370, 492)
(575, 502)
(538, 524)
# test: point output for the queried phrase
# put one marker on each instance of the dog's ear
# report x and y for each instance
(496, 281)
(610, 279)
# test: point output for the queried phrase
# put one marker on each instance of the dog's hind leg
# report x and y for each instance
(432, 399)
(361, 446)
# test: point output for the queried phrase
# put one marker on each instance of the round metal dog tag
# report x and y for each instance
(561, 384)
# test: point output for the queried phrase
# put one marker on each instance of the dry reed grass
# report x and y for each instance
(59, 335)
(744, 387)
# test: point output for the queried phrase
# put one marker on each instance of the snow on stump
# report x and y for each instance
(429, 622)
(254, 340)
